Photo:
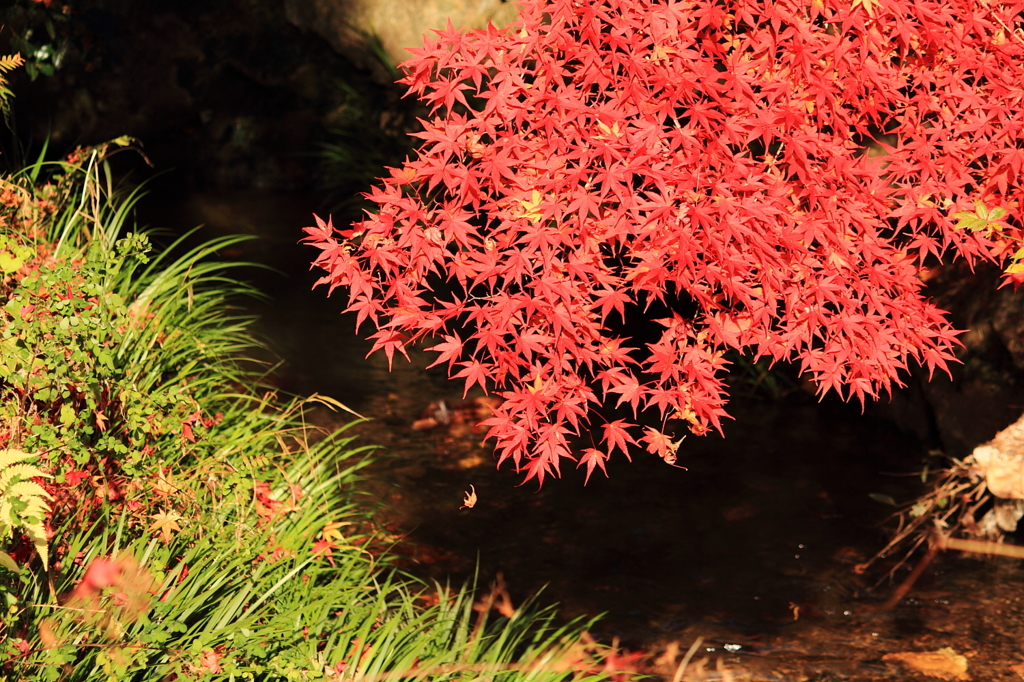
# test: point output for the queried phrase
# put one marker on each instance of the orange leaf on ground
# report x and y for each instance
(944, 664)
(166, 523)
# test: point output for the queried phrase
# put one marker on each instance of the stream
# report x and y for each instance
(750, 548)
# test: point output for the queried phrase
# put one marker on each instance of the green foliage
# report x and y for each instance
(981, 219)
(41, 37)
(235, 593)
(200, 527)
(368, 132)
(61, 331)
(13, 255)
(990, 223)
(106, 352)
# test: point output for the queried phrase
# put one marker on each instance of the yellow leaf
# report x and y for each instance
(470, 500)
(530, 207)
(124, 141)
(331, 531)
(868, 6)
(166, 523)
(662, 53)
(162, 486)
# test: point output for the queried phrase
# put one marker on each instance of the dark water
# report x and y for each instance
(751, 547)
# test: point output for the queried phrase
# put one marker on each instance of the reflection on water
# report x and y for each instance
(751, 547)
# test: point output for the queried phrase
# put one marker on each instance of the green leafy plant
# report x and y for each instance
(106, 350)
(990, 223)
(42, 35)
(200, 526)
(368, 131)
(12, 255)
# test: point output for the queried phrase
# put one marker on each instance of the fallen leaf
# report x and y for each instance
(471, 461)
(211, 661)
(266, 506)
(944, 664)
(332, 530)
(162, 486)
(470, 500)
(323, 548)
(102, 573)
(166, 523)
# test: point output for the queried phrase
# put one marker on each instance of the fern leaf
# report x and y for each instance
(16, 484)
(33, 494)
(20, 472)
(7, 63)
(9, 457)
(10, 62)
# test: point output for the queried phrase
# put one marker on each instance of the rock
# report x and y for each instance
(944, 664)
(397, 24)
(1001, 462)
(985, 391)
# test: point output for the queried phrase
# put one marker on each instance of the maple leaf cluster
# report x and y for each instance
(601, 156)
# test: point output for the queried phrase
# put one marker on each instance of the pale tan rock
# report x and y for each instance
(398, 24)
(1001, 462)
(944, 664)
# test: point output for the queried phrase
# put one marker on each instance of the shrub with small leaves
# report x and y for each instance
(64, 386)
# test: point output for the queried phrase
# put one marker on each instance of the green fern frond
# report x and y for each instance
(23, 502)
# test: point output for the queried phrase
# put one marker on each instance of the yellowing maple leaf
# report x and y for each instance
(868, 6)
(530, 205)
(166, 523)
(606, 132)
(162, 486)
(662, 53)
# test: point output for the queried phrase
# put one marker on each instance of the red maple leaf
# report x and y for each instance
(323, 548)
(593, 458)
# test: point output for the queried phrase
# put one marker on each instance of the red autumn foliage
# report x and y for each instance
(601, 156)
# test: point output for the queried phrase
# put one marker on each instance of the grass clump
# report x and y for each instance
(168, 518)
